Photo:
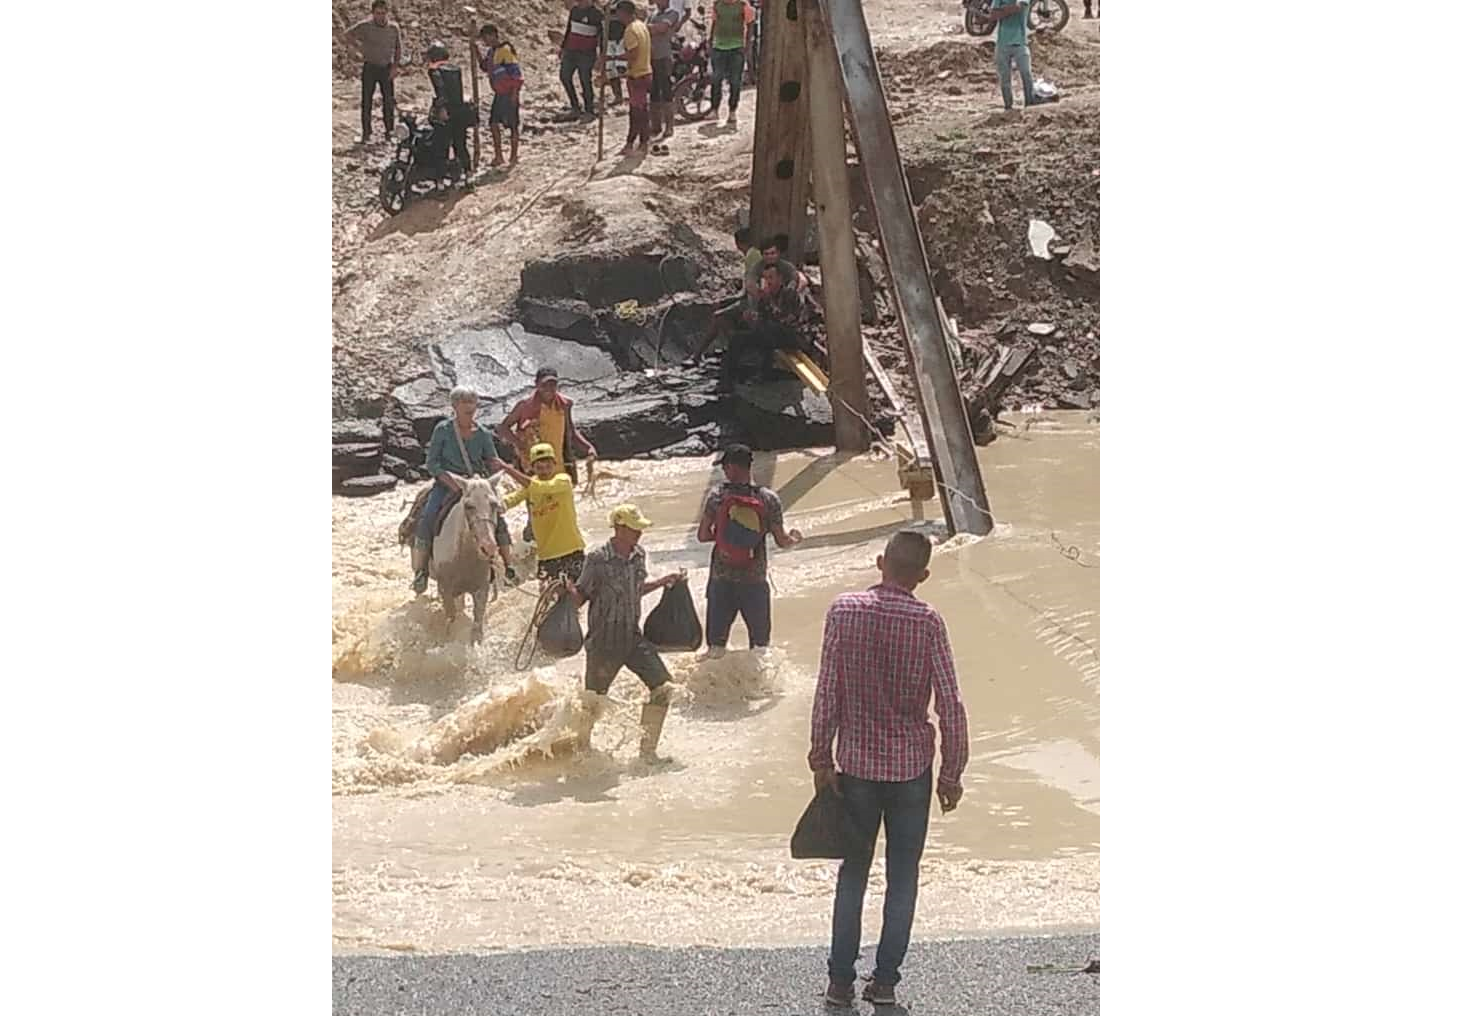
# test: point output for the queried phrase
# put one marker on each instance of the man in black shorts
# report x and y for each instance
(615, 577)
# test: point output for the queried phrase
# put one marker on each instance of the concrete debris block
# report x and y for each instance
(1082, 262)
(564, 319)
(1075, 400)
(1061, 250)
(1039, 235)
(1041, 329)
(366, 456)
(355, 432)
(366, 486)
(986, 217)
(1070, 369)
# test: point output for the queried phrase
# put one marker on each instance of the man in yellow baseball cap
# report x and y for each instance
(615, 577)
(552, 504)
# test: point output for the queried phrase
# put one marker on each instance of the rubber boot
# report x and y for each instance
(669, 119)
(651, 722)
(587, 718)
(420, 557)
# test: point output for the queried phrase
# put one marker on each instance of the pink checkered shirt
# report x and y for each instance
(884, 652)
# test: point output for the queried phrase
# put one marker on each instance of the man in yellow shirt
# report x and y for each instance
(640, 73)
(549, 497)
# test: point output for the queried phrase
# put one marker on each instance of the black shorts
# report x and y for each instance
(643, 660)
(502, 532)
(505, 111)
(569, 565)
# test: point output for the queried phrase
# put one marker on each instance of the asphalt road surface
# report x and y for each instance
(983, 977)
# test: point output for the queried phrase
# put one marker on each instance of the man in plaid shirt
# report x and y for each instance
(884, 653)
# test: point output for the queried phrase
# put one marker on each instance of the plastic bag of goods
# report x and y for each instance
(560, 632)
(672, 626)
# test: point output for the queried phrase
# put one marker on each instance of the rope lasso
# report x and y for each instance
(545, 601)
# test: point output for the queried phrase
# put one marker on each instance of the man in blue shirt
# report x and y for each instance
(1010, 47)
(461, 447)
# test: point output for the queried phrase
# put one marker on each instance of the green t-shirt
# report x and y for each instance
(443, 450)
(730, 19)
(1011, 31)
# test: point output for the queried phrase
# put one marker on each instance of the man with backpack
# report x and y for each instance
(737, 518)
(448, 90)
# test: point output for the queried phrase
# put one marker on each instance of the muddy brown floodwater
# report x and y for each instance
(464, 820)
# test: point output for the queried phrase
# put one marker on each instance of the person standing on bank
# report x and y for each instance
(580, 44)
(731, 33)
(737, 517)
(636, 54)
(664, 24)
(884, 653)
(378, 40)
(448, 91)
(615, 577)
(498, 60)
(1011, 46)
(461, 447)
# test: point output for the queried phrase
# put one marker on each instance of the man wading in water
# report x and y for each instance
(884, 653)
(614, 579)
(545, 417)
(737, 517)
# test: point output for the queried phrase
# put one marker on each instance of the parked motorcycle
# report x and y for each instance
(421, 158)
(692, 73)
(1043, 16)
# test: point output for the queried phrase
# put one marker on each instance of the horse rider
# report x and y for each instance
(459, 447)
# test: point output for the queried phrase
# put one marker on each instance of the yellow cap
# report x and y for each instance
(541, 451)
(628, 515)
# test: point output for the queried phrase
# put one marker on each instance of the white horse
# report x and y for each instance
(465, 547)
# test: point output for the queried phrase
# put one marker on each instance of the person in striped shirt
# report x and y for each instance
(885, 652)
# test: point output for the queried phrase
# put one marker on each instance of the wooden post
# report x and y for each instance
(946, 424)
(474, 70)
(780, 147)
(842, 315)
(602, 82)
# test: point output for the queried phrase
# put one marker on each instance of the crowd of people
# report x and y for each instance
(639, 51)
(885, 654)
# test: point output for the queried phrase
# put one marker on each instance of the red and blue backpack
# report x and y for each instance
(741, 526)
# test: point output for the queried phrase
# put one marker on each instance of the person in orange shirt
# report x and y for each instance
(545, 417)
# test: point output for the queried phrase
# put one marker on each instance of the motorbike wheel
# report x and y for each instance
(694, 100)
(1047, 15)
(393, 190)
(975, 21)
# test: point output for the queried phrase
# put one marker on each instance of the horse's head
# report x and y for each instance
(480, 506)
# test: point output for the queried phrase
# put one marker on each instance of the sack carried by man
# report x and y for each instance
(825, 830)
(673, 626)
(560, 632)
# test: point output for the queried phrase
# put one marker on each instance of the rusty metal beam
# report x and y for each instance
(951, 443)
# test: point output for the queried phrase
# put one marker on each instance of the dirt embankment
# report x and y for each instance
(979, 176)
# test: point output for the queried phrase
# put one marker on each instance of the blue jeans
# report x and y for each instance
(726, 64)
(430, 514)
(905, 808)
(725, 598)
(1020, 55)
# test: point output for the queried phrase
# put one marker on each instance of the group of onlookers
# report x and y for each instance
(639, 52)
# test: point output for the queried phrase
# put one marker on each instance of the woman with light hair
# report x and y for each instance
(463, 448)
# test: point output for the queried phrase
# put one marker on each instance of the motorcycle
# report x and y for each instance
(418, 160)
(1042, 16)
(692, 73)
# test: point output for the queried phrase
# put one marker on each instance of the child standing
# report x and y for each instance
(498, 61)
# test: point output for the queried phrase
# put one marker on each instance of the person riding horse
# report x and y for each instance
(460, 447)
